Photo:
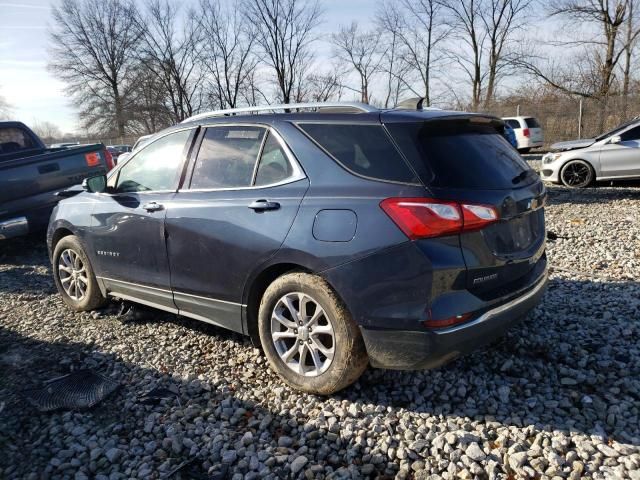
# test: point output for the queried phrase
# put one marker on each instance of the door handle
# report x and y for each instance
(261, 205)
(152, 207)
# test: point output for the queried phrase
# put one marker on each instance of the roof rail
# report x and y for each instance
(362, 107)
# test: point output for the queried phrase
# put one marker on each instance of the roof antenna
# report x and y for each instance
(410, 104)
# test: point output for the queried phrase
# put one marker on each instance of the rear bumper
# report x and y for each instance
(416, 350)
(14, 227)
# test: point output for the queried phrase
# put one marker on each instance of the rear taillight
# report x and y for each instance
(108, 158)
(526, 132)
(428, 217)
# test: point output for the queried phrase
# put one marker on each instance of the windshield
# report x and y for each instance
(615, 130)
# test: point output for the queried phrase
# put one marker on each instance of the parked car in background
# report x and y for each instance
(528, 132)
(118, 150)
(400, 238)
(64, 145)
(614, 155)
(31, 174)
(141, 141)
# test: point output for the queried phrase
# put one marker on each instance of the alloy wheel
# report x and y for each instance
(302, 334)
(576, 174)
(72, 274)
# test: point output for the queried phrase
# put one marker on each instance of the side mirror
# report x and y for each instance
(615, 139)
(97, 184)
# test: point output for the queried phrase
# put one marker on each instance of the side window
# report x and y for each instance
(633, 134)
(227, 157)
(513, 123)
(362, 149)
(156, 167)
(274, 166)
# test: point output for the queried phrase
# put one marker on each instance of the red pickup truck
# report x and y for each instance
(31, 175)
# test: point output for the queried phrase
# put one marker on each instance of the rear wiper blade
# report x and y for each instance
(521, 176)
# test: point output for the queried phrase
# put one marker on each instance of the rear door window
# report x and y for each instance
(461, 154)
(274, 166)
(513, 123)
(365, 150)
(227, 157)
(532, 122)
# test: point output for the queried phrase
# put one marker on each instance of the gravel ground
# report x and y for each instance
(558, 397)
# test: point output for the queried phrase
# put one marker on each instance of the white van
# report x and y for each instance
(528, 132)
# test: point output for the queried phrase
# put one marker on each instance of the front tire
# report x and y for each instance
(74, 276)
(577, 174)
(308, 335)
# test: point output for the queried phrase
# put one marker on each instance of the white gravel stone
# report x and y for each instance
(556, 397)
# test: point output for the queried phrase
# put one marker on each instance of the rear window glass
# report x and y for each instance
(363, 149)
(459, 154)
(513, 123)
(532, 122)
(15, 139)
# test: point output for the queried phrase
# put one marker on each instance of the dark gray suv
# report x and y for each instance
(335, 235)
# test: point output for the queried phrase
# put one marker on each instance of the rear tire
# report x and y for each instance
(524, 150)
(577, 174)
(317, 348)
(74, 276)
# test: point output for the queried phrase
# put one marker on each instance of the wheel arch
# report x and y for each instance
(256, 288)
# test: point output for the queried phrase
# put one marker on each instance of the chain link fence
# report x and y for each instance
(571, 118)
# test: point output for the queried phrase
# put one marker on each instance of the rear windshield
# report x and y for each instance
(460, 154)
(532, 122)
(363, 149)
(15, 139)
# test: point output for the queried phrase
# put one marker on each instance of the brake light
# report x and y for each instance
(526, 132)
(108, 158)
(429, 218)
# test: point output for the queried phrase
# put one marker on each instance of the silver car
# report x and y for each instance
(612, 155)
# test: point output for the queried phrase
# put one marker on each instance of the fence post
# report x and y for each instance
(518, 110)
(580, 120)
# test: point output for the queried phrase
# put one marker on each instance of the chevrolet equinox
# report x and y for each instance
(335, 235)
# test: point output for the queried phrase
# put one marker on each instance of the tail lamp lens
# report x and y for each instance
(428, 218)
(526, 132)
(108, 159)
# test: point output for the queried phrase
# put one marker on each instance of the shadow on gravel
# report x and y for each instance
(602, 192)
(573, 369)
(571, 366)
(574, 379)
(13, 250)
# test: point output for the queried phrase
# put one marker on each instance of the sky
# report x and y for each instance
(36, 96)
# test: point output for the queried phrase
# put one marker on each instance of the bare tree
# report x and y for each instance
(486, 28)
(396, 69)
(325, 86)
(228, 40)
(46, 130)
(170, 49)
(361, 51)
(151, 113)
(419, 29)
(93, 45)
(284, 33)
(631, 39)
(593, 77)
(5, 108)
